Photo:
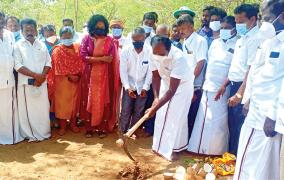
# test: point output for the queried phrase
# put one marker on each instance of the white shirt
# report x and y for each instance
(280, 111)
(244, 55)
(220, 55)
(6, 60)
(175, 65)
(134, 68)
(33, 56)
(266, 86)
(195, 48)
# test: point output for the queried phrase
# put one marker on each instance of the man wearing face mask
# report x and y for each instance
(210, 134)
(244, 54)
(216, 15)
(195, 50)
(148, 24)
(173, 90)
(13, 25)
(32, 62)
(117, 27)
(136, 78)
(9, 129)
(259, 150)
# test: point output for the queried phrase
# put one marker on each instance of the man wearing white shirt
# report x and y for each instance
(210, 133)
(173, 90)
(117, 28)
(32, 62)
(195, 49)
(259, 150)
(136, 78)
(244, 54)
(9, 122)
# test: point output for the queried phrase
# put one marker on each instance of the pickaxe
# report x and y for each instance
(122, 141)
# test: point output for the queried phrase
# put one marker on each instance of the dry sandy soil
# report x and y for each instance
(75, 157)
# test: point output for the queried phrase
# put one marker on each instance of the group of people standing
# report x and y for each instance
(209, 91)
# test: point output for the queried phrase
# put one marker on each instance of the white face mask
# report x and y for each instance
(147, 29)
(158, 58)
(225, 34)
(215, 25)
(51, 39)
(266, 30)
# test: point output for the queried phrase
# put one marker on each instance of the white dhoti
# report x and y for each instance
(210, 133)
(9, 121)
(34, 112)
(171, 125)
(258, 156)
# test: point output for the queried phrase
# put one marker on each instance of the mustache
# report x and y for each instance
(30, 35)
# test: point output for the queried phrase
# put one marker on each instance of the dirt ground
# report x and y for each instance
(75, 157)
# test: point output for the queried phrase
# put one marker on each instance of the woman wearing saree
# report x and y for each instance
(100, 84)
(65, 77)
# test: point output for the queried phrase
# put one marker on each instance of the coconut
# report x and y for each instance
(207, 168)
(168, 176)
(198, 177)
(210, 176)
(201, 173)
(190, 171)
(196, 167)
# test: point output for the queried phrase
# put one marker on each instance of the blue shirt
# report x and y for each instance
(177, 44)
(50, 47)
(208, 35)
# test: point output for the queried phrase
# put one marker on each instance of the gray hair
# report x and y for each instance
(66, 29)
(138, 31)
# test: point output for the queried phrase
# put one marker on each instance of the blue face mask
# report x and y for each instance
(241, 29)
(116, 32)
(17, 33)
(147, 29)
(67, 42)
(138, 44)
(225, 34)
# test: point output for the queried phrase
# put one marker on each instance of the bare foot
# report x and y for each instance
(61, 131)
(74, 129)
(174, 156)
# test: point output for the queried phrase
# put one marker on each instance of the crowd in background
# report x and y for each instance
(209, 90)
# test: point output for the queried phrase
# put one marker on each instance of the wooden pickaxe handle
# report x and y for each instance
(137, 125)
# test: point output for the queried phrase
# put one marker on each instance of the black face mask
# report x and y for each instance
(138, 44)
(98, 32)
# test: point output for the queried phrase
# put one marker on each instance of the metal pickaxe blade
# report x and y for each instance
(122, 142)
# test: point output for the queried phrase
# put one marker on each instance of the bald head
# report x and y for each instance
(163, 30)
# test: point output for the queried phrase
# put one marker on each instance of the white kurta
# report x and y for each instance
(9, 122)
(259, 156)
(33, 101)
(171, 126)
(210, 133)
